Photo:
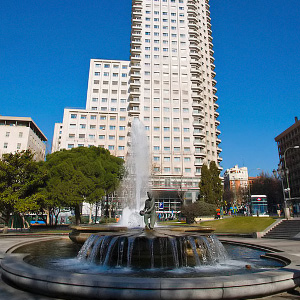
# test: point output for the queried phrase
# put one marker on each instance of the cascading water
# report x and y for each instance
(159, 251)
(135, 185)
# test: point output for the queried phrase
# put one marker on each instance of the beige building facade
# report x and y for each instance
(169, 84)
(21, 133)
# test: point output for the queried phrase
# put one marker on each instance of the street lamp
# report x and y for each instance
(285, 172)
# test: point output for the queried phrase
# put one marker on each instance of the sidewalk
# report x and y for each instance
(11, 293)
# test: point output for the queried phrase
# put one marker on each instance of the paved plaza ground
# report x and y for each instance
(12, 293)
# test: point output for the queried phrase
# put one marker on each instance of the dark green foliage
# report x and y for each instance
(197, 209)
(21, 179)
(81, 174)
(211, 189)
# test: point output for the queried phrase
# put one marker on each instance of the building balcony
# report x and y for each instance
(197, 104)
(133, 100)
(208, 19)
(199, 124)
(135, 67)
(199, 142)
(134, 83)
(212, 66)
(135, 49)
(216, 114)
(215, 98)
(136, 57)
(219, 159)
(133, 111)
(198, 113)
(214, 82)
(136, 33)
(136, 20)
(218, 141)
(217, 122)
(192, 6)
(135, 75)
(219, 150)
(211, 52)
(198, 163)
(136, 42)
(197, 87)
(198, 132)
(214, 90)
(218, 131)
(193, 26)
(135, 92)
(195, 55)
(200, 153)
(216, 105)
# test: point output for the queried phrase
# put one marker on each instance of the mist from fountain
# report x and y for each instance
(135, 185)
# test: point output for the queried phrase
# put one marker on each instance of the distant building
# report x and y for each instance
(287, 140)
(236, 179)
(21, 133)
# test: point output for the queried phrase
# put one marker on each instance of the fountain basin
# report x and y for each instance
(74, 285)
(91, 286)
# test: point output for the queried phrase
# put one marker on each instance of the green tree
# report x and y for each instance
(211, 189)
(21, 178)
(81, 175)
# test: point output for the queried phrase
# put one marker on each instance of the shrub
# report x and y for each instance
(197, 209)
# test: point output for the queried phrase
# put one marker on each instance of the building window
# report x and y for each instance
(81, 136)
(111, 137)
(7, 134)
(82, 126)
(111, 147)
(121, 127)
(112, 127)
(156, 158)
(93, 117)
(121, 147)
(70, 146)
(156, 148)
(20, 134)
(101, 137)
(73, 116)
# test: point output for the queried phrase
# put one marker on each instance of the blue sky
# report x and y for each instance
(45, 48)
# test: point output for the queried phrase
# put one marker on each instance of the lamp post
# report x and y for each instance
(285, 172)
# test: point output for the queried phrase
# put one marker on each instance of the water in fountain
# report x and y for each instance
(157, 251)
(135, 185)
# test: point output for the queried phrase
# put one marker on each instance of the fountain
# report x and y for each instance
(133, 262)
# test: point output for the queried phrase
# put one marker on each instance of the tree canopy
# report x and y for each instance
(81, 174)
(211, 189)
(66, 179)
(21, 179)
(269, 186)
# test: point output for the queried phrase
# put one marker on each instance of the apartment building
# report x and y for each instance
(169, 84)
(288, 143)
(21, 133)
(236, 179)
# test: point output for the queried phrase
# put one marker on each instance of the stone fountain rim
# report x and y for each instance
(94, 286)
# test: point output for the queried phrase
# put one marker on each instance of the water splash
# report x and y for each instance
(135, 184)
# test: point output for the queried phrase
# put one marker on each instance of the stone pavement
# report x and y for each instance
(11, 293)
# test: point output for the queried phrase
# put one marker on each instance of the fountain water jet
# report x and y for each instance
(136, 183)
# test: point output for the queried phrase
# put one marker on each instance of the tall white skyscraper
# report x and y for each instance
(169, 85)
